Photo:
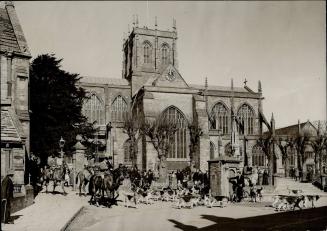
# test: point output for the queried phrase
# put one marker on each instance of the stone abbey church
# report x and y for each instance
(152, 85)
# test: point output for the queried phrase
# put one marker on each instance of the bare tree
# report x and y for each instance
(160, 131)
(299, 143)
(283, 146)
(195, 134)
(131, 127)
(319, 145)
(267, 144)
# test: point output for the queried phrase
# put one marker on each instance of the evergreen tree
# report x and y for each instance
(56, 105)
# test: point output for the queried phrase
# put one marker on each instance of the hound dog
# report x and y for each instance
(312, 199)
(187, 201)
(212, 201)
(285, 202)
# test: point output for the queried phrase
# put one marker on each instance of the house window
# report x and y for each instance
(178, 140)
(93, 109)
(164, 53)
(147, 53)
(118, 109)
(246, 116)
(258, 157)
(219, 118)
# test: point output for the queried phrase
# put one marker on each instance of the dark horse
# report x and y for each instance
(107, 184)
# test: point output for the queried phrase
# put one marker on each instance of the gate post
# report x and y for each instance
(78, 158)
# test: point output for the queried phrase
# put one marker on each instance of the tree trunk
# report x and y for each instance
(162, 168)
(286, 167)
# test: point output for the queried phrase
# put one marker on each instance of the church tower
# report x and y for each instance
(147, 52)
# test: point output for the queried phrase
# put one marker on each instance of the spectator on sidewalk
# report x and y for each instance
(296, 174)
(7, 193)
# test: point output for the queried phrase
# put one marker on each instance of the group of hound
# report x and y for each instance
(181, 198)
(294, 199)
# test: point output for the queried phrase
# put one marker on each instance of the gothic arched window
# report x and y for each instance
(228, 149)
(164, 54)
(258, 156)
(178, 140)
(212, 150)
(93, 109)
(127, 153)
(246, 116)
(219, 118)
(118, 109)
(147, 52)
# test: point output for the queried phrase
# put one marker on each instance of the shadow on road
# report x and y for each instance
(308, 219)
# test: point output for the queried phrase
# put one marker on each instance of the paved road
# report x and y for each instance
(162, 216)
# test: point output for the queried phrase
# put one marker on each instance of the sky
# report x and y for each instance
(283, 44)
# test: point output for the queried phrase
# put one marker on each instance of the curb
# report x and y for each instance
(71, 219)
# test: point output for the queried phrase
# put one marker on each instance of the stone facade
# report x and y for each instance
(14, 71)
(151, 85)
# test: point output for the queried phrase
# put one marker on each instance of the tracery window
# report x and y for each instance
(164, 54)
(219, 118)
(178, 140)
(258, 156)
(147, 53)
(93, 109)
(127, 153)
(118, 109)
(246, 115)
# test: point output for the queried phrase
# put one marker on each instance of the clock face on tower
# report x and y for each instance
(170, 75)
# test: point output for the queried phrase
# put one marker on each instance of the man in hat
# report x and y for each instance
(7, 193)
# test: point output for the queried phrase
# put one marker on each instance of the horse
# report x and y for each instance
(108, 183)
(56, 175)
(83, 177)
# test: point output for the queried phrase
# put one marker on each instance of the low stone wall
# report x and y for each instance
(22, 200)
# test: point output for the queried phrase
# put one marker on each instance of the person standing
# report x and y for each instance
(7, 193)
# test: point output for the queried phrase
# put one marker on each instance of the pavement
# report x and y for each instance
(162, 216)
(50, 212)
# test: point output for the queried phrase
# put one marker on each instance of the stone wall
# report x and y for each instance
(21, 200)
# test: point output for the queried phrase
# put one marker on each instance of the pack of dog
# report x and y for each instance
(215, 201)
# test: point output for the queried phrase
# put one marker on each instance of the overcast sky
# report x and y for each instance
(283, 44)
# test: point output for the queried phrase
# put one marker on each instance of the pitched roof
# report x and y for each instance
(104, 80)
(10, 127)
(12, 38)
(8, 41)
(293, 130)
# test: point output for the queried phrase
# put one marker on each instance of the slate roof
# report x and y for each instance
(10, 130)
(293, 130)
(103, 80)
(8, 40)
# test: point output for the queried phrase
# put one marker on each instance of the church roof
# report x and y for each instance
(217, 88)
(11, 130)
(11, 35)
(104, 80)
(307, 128)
